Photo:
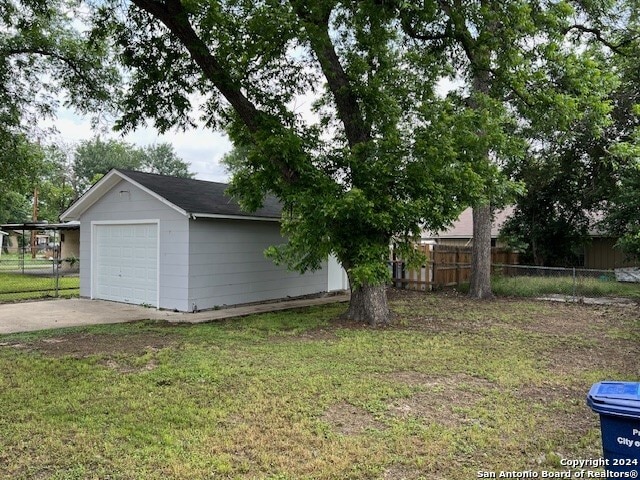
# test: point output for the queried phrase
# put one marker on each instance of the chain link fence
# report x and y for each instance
(446, 267)
(44, 274)
(569, 283)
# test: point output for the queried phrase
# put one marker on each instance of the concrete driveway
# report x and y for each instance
(77, 312)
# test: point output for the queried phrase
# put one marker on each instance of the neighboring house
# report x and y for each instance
(599, 253)
(182, 244)
(461, 232)
(69, 237)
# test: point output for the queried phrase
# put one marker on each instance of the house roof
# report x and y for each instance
(194, 198)
(463, 226)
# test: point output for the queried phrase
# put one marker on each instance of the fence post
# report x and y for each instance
(575, 298)
(56, 267)
(21, 249)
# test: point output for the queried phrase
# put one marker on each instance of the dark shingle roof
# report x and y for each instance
(199, 196)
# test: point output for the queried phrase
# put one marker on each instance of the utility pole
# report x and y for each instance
(35, 219)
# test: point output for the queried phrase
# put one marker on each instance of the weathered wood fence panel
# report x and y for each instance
(445, 266)
(416, 279)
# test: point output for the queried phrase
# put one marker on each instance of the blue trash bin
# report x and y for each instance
(618, 404)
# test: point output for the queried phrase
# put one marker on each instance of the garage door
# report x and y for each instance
(126, 263)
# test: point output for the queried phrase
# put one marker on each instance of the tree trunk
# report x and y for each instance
(369, 304)
(481, 253)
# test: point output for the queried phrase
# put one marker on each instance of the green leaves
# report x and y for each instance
(623, 210)
(334, 107)
(42, 53)
(45, 60)
(98, 156)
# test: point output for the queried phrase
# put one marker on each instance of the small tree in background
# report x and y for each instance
(162, 159)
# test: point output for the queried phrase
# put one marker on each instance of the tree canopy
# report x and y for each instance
(380, 154)
(45, 60)
(335, 106)
(574, 174)
(94, 158)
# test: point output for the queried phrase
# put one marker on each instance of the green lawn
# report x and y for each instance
(453, 387)
(523, 286)
(14, 262)
(16, 286)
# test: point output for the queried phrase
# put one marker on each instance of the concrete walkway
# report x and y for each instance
(77, 312)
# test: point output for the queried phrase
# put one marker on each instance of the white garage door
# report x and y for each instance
(126, 263)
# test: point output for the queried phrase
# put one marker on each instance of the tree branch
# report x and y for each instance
(174, 16)
(411, 31)
(460, 31)
(347, 106)
(77, 70)
(597, 33)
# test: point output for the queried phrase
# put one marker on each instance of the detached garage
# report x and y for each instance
(182, 244)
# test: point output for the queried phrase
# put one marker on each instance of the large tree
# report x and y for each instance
(518, 69)
(45, 60)
(382, 155)
(94, 158)
(574, 173)
(372, 164)
(623, 208)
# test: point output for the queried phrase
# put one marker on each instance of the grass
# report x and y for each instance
(14, 261)
(453, 387)
(523, 286)
(16, 286)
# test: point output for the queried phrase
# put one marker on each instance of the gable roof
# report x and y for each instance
(463, 227)
(193, 198)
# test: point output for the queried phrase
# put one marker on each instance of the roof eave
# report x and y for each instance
(234, 217)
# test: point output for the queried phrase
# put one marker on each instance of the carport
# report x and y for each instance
(64, 247)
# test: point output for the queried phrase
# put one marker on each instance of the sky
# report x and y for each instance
(201, 149)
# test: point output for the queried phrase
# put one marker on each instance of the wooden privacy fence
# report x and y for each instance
(445, 266)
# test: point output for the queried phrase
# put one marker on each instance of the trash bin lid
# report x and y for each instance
(615, 398)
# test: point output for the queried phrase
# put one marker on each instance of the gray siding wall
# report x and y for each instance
(228, 266)
(135, 204)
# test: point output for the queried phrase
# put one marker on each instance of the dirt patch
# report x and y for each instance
(81, 345)
(450, 311)
(576, 421)
(547, 394)
(607, 354)
(13, 345)
(577, 319)
(348, 419)
(444, 399)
